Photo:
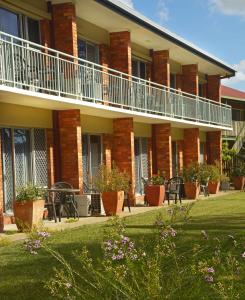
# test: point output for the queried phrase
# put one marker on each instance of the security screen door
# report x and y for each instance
(92, 158)
(24, 159)
(141, 163)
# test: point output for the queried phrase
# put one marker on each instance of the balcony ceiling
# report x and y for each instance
(108, 19)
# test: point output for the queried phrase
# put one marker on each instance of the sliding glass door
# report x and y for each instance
(24, 160)
(141, 163)
(92, 158)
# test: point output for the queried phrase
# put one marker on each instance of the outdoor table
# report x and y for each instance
(57, 190)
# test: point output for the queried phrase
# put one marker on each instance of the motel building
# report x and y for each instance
(86, 82)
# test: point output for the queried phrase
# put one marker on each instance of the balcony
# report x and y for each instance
(33, 68)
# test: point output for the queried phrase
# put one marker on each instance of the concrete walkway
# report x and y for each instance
(11, 233)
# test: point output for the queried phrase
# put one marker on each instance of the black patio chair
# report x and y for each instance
(126, 201)
(204, 188)
(174, 187)
(62, 202)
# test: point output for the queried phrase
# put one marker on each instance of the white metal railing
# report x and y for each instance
(32, 67)
(237, 126)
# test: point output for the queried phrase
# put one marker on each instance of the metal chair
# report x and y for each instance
(204, 188)
(63, 201)
(174, 187)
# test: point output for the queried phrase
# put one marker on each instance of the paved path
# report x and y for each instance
(11, 233)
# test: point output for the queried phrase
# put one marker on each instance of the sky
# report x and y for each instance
(217, 26)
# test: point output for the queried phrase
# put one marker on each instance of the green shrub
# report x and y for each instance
(214, 173)
(238, 171)
(157, 179)
(29, 193)
(192, 173)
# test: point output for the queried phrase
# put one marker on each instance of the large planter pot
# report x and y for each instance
(113, 202)
(1, 220)
(155, 195)
(192, 190)
(239, 182)
(28, 214)
(224, 186)
(213, 187)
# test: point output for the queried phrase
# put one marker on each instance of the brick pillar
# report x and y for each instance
(45, 26)
(214, 147)
(191, 146)
(214, 88)
(149, 155)
(180, 146)
(69, 144)
(120, 51)
(107, 150)
(1, 187)
(162, 149)
(161, 67)
(65, 28)
(123, 149)
(204, 90)
(50, 156)
(190, 79)
(105, 62)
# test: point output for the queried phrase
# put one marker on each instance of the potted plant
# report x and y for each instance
(155, 190)
(192, 178)
(112, 184)
(214, 179)
(224, 183)
(238, 174)
(28, 207)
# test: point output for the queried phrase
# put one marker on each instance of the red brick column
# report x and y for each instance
(214, 147)
(107, 150)
(68, 131)
(191, 146)
(180, 145)
(123, 149)
(50, 156)
(190, 79)
(120, 51)
(149, 155)
(45, 26)
(214, 88)
(105, 62)
(65, 28)
(1, 187)
(162, 149)
(161, 67)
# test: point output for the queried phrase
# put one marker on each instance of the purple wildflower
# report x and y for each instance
(125, 240)
(43, 234)
(173, 232)
(210, 270)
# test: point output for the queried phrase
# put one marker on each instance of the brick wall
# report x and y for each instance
(214, 88)
(107, 150)
(162, 149)
(65, 28)
(123, 149)
(214, 147)
(120, 51)
(1, 187)
(50, 156)
(69, 147)
(45, 26)
(191, 146)
(161, 67)
(190, 79)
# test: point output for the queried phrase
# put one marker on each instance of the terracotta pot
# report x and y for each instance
(28, 214)
(113, 202)
(213, 187)
(192, 190)
(1, 220)
(238, 182)
(155, 194)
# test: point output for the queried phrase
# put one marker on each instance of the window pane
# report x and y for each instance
(135, 68)
(9, 22)
(33, 30)
(82, 49)
(92, 53)
(142, 70)
(173, 81)
(202, 152)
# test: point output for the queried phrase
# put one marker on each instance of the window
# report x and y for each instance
(173, 81)
(201, 91)
(139, 68)
(202, 152)
(19, 25)
(88, 51)
(237, 115)
(141, 163)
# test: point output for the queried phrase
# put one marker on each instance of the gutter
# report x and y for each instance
(129, 14)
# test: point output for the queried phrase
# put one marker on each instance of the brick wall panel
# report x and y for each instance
(161, 67)
(214, 147)
(107, 150)
(190, 79)
(214, 88)
(50, 156)
(191, 146)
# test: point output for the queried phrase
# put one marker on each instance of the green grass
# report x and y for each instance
(22, 276)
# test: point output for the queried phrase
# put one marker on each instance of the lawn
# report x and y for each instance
(22, 275)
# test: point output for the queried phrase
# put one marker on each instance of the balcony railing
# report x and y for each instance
(28, 66)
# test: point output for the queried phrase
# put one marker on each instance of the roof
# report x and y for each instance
(138, 18)
(227, 92)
